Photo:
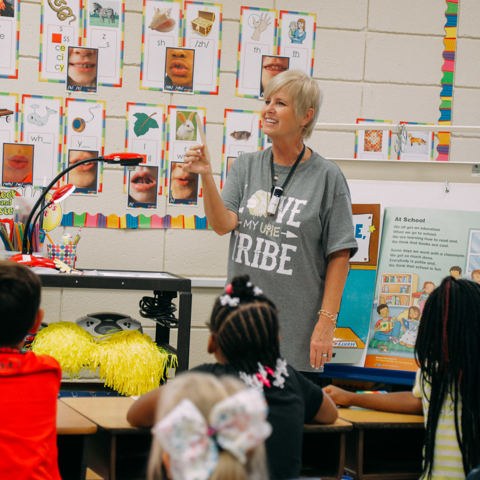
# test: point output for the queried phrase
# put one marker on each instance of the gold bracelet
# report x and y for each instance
(329, 315)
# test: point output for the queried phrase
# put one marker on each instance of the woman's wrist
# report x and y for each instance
(332, 317)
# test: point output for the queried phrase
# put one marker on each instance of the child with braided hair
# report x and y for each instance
(244, 338)
(447, 385)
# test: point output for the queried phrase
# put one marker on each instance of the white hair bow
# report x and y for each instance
(237, 424)
(228, 300)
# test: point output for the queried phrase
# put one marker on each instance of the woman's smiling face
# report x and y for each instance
(84, 176)
(179, 66)
(183, 185)
(82, 66)
(143, 184)
(279, 118)
(17, 162)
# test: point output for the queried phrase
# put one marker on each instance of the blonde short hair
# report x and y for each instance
(305, 91)
(205, 391)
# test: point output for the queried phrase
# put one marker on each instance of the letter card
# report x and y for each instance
(372, 144)
(182, 131)
(60, 27)
(203, 32)
(296, 39)
(42, 126)
(416, 146)
(8, 118)
(241, 134)
(9, 38)
(162, 28)
(104, 29)
(258, 37)
(84, 138)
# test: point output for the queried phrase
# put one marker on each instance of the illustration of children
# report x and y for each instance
(456, 272)
(428, 288)
(300, 34)
(293, 30)
(411, 324)
(476, 276)
(388, 327)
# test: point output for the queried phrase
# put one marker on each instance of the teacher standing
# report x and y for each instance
(290, 217)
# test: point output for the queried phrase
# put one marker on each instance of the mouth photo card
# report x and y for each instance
(179, 70)
(142, 187)
(85, 177)
(271, 66)
(82, 70)
(17, 165)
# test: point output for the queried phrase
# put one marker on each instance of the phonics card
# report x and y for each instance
(258, 37)
(162, 28)
(8, 118)
(372, 144)
(42, 126)
(416, 146)
(104, 28)
(296, 39)
(182, 131)
(84, 132)
(9, 38)
(203, 33)
(60, 27)
(241, 134)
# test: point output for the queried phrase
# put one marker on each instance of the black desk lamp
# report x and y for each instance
(25, 258)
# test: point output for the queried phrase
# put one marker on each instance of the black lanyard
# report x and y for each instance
(290, 174)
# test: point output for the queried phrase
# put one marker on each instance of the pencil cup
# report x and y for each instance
(65, 253)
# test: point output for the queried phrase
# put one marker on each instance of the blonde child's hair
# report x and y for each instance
(205, 391)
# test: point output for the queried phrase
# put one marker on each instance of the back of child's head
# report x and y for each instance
(176, 430)
(447, 349)
(20, 292)
(245, 325)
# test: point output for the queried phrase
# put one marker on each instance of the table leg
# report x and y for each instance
(184, 325)
(73, 456)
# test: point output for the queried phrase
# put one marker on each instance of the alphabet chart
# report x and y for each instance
(60, 27)
(42, 126)
(416, 145)
(296, 39)
(258, 37)
(182, 131)
(8, 118)
(241, 134)
(203, 32)
(372, 144)
(85, 129)
(9, 38)
(145, 134)
(162, 27)
(104, 28)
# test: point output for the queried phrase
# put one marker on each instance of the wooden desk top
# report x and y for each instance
(339, 426)
(364, 419)
(107, 412)
(70, 422)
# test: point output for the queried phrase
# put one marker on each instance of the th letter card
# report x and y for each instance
(416, 146)
(203, 33)
(60, 27)
(104, 29)
(258, 37)
(296, 39)
(372, 144)
(162, 28)
(42, 126)
(9, 38)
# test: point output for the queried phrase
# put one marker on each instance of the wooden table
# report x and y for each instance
(323, 452)
(383, 445)
(73, 433)
(117, 450)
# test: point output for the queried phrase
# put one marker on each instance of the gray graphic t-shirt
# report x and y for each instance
(287, 258)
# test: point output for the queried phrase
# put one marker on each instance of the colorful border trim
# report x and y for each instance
(448, 68)
(16, 110)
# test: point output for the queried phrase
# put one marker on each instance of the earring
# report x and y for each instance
(303, 132)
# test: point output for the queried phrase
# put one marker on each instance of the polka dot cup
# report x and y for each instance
(65, 253)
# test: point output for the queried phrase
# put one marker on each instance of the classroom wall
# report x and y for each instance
(377, 59)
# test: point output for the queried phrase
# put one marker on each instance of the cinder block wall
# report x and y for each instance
(374, 59)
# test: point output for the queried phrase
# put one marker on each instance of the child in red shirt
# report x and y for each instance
(29, 383)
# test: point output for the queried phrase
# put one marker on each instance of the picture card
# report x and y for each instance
(417, 146)
(9, 38)
(271, 66)
(82, 71)
(85, 130)
(17, 165)
(182, 188)
(8, 118)
(61, 27)
(258, 37)
(142, 187)
(296, 39)
(179, 70)
(86, 176)
(104, 29)
(203, 33)
(42, 126)
(372, 144)
(162, 28)
(241, 134)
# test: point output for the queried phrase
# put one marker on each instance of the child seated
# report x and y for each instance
(29, 383)
(244, 338)
(209, 428)
(447, 384)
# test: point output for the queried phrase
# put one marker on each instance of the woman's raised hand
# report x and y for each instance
(196, 161)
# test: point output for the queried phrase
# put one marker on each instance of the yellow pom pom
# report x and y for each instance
(68, 343)
(130, 362)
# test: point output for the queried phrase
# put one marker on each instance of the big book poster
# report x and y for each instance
(419, 248)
